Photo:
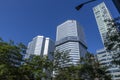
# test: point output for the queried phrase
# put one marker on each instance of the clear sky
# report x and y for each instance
(21, 20)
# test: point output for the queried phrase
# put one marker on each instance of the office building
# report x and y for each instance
(40, 46)
(49, 48)
(117, 4)
(102, 13)
(105, 59)
(70, 37)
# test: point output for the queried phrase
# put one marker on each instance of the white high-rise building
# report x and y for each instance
(70, 37)
(101, 14)
(105, 59)
(40, 46)
(49, 48)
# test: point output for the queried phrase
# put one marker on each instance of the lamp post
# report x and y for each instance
(82, 4)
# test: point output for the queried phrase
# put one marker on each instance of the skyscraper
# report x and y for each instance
(40, 46)
(105, 58)
(117, 4)
(70, 37)
(49, 48)
(101, 14)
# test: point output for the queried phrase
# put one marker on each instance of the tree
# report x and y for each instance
(61, 59)
(60, 65)
(36, 68)
(10, 60)
(90, 69)
(113, 39)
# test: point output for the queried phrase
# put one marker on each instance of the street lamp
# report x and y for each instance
(81, 5)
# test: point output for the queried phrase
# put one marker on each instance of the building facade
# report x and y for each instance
(102, 13)
(70, 37)
(117, 4)
(105, 59)
(49, 48)
(40, 46)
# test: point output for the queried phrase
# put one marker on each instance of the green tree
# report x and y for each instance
(36, 68)
(113, 39)
(61, 65)
(90, 69)
(10, 60)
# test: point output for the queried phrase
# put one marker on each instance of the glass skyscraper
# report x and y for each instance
(105, 58)
(101, 14)
(70, 37)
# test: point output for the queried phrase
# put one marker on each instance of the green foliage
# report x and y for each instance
(60, 64)
(90, 69)
(116, 59)
(113, 40)
(37, 68)
(61, 59)
(10, 60)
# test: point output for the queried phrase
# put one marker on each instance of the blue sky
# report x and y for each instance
(21, 20)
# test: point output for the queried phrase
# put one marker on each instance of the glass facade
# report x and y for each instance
(70, 37)
(105, 59)
(101, 14)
